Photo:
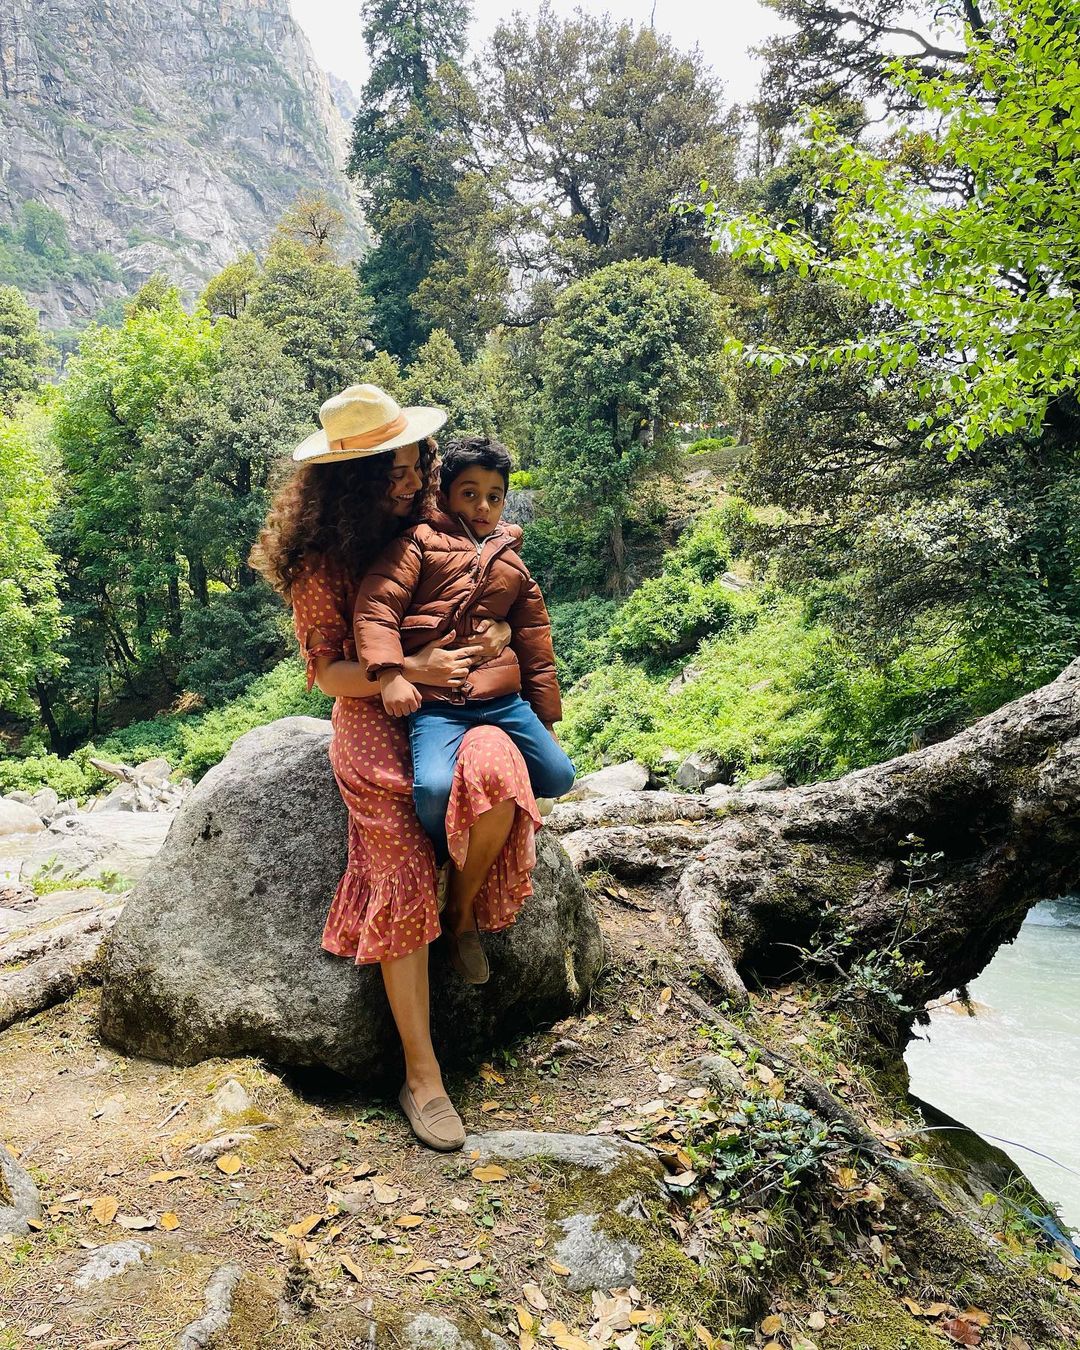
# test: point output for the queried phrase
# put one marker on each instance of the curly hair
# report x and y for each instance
(339, 511)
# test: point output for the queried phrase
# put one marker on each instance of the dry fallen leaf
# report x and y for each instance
(490, 1074)
(302, 1227)
(526, 1340)
(681, 1179)
(492, 1172)
(409, 1221)
(137, 1223)
(1060, 1269)
(557, 1268)
(104, 1208)
(385, 1195)
(772, 1324)
(976, 1315)
(816, 1321)
(228, 1163)
(534, 1297)
(960, 1331)
(156, 1177)
(351, 1268)
(422, 1270)
(707, 1339)
(169, 1221)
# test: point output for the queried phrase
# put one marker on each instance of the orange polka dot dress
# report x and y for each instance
(385, 904)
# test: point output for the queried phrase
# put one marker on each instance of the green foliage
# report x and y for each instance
(591, 128)
(439, 376)
(35, 252)
(30, 621)
(981, 278)
(24, 353)
(436, 263)
(669, 614)
(192, 743)
(228, 293)
(631, 350)
(579, 629)
(522, 480)
(319, 310)
(709, 444)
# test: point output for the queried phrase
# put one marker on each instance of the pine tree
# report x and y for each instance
(404, 155)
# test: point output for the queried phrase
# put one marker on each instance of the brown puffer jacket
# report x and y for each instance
(433, 580)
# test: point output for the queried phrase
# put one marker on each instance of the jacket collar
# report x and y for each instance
(446, 523)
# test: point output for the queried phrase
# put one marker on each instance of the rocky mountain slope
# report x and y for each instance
(157, 138)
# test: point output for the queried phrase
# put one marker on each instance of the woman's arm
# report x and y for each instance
(434, 665)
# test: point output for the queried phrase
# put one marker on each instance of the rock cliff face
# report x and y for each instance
(166, 138)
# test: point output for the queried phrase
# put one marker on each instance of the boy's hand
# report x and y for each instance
(399, 697)
(494, 636)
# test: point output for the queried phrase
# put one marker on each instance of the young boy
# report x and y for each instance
(445, 575)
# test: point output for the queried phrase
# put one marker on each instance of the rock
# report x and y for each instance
(627, 777)
(772, 782)
(19, 1201)
(18, 818)
(54, 975)
(596, 1152)
(732, 582)
(85, 847)
(231, 1099)
(686, 676)
(68, 807)
(153, 770)
(204, 1330)
(218, 952)
(719, 1072)
(45, 802)
(595, 1260)
(428, 1332)
(699, 771)
(18, 796)
(108, 1261)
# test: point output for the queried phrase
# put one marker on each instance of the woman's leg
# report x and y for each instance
(407, 990)
(486, 840)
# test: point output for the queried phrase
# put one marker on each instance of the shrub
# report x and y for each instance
(710, 443)
(667, 616)
(578, 629)
(521, 480)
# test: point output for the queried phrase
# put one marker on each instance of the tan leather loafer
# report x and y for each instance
(435, 1124)
(442, 885)
(467, 957)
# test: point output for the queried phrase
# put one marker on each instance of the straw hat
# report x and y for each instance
(365, 420)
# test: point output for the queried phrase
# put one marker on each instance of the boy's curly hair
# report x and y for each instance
(467, 451)
(337, 510)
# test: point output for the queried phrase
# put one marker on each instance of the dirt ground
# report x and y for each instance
(106, 1139)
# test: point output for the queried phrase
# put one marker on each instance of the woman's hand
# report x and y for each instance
(494, 636)
(399, 698)
(440, 667)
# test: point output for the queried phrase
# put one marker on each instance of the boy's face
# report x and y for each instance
(478, 496)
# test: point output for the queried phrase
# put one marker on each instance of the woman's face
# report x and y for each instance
(405, 480)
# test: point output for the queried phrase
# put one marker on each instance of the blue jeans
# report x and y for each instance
(435, 734)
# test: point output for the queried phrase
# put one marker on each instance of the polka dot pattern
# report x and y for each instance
(385, 904)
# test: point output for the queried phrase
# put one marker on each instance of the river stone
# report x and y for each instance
(19, 1199)
(86, 846)
(218, 952)
(628, 777)
(595, 1260)
(699, 771)
(44, 802)
(18, 818)
(719, 1072)
(18, 796)
(428, 1332)
(772, 782)
(598, 1153)
(108, 1261)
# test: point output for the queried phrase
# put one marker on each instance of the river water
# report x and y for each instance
(1014, 1069)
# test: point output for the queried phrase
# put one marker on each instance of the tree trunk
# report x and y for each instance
(197, 581)
(935, 856)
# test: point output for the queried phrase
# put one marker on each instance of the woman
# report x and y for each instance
(363, 478)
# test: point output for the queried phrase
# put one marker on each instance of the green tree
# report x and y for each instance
(599, 127)
(985, 286)
(439, 376)
(404, 155)
(24, 353)
(228, 293)
(30, 621)
(318, 309)
(631, 351)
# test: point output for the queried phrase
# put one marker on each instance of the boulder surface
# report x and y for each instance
(218, 949)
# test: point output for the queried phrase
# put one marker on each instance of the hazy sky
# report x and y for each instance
(723, 29)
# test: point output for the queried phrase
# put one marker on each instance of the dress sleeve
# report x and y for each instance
(320, 615)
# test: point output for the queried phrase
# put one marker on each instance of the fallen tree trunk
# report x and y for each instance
(912, 872)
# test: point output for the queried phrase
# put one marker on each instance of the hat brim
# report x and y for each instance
(419, 424)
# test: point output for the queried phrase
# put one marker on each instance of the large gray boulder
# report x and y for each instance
(218, 949)
(18, 818)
